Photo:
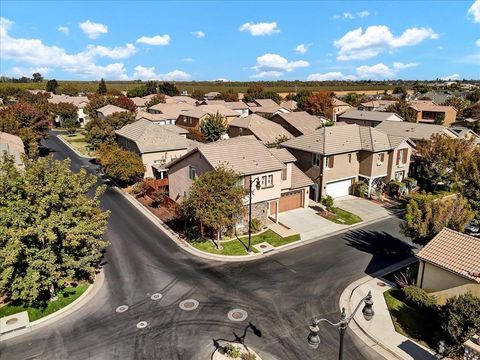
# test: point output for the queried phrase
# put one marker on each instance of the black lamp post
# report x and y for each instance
(257, 186)
(313, 337)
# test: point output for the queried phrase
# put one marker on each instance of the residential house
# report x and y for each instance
(414, 131)
(466, 133)
(180, 99)
(436, 96)
(367, 118)
(335, 157)
(268, 132)
(266, 107)
(191, 119)
(290, 105)
(376, 105)
(108, 110)
(299, 122)
(140, 102)
(78, 101)
(283, 186)
(430, 113)
(171, 111)
(339, 107)
(156, 145)
(12, 145)
(238, 106)
(158, 119)
(211, 95)
(450, 265)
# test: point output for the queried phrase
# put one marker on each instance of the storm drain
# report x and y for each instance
(121, 308)
(237, 315)
(156, 296)
(188, 305)
(142, 324)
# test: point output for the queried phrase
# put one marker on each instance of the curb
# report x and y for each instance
(232, 258)
(92, 290)
(358, 330)
(78, 153)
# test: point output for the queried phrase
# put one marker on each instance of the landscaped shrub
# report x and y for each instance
(419, 298)
(411, 183)
(395, 188)
(139, 189)
(256, 225)
(406, 277)
(327, 201)
(192, 233)
(231, 351)
(359, 188)
(248, 356)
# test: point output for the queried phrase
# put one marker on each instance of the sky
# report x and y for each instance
(247, 40)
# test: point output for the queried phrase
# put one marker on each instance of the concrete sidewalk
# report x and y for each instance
(379, 333)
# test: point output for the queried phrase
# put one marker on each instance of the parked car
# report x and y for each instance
(473, 227)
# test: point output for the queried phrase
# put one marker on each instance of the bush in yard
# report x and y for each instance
(139, 189)
(256, 225)
(419, 298)
(248, 356)
(411, 183)
(71, 126)
(158, 196)
(406, 277)
(120, 165)
(231, 351)
(327, 201)
(394, 188)
(460, 320)
(359, 188)
(213, 127)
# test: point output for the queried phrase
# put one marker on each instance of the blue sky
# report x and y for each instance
(248, 40)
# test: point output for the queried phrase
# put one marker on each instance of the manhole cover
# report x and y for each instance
(381, 284)
(156, 296)
(263, 246)
(121, 308)
(188, 305)
(237, 315)
(142, 324)
(11, 321)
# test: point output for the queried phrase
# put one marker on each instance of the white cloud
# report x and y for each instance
(276, 62)
(452, 77)
(117, 52)
(222, 80)
(382, 71)
(156, 40)
(267, 74)
(148, 73)
(350, 16)
(64, 29)
(302, 48)
(5, 25)
(93, 30)
(177, 75)
(187, 59)
(401, 66)
(198, 34)
(474, 11)
(477, 42)
(363, 13)
(359, 45)
(329, 76)
(21, 71)
(260, 29)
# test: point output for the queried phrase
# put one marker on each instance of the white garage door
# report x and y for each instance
(339, 188)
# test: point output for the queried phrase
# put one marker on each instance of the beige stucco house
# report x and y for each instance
(335, 157)
(450, 265)
(262, 129)
(13, 146)
(283, 185)
(108, 110)
(78, 101)
(299, 122)
(191, 119)
(431, 113)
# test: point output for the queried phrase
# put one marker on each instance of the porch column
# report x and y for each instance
(276, 212)
(369, 187)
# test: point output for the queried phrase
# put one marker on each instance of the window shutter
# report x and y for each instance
(246, 182)
(398, 156)
(405, 152)
(330, 161)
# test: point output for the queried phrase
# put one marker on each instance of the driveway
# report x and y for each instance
(308, 224)
(366, 209)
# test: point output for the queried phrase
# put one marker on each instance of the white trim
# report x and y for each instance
(340, 179)
(372, 177)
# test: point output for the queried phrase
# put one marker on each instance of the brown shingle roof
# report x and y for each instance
(265, 130)
(172, 110)
(454, 251)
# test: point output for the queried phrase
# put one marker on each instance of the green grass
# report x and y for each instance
(65, 297)
(343, 217)
(409, 321)
(234, 247)
(77, 141)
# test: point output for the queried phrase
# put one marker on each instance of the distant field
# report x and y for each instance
(236, 87)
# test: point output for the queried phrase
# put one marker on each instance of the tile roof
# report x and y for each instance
(108, 110)
(370, 115)
(283, 155)
(289, 105)
(299, 179)
(202, 110)
(337, 102)
(79, 101)
(302, 121)
(172, 110)
(454, 251)
(414, 131)
(378, 104)
(179, 99)
(138, 101)
(331, 140)
(12, 145)
(427, 105)
(236, 105)
(154, 138)
(265, 130)
(267, 106)
(151, 117)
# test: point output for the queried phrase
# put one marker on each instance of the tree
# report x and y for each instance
(470, 175)
(125, 103)
(52, 86)
(37, 77)
(168, 89)
(400, 90)
(195, 135)
(138, 91)
(157, 99)
(198, 94)
(320, 103)
(102, 87)
(403, 109)
(460, 320)
(215, 201)
(66, 111)
(69, 89)
(100, 131)
(51, 230)
(122, 166)
(213, 127)
(301, 98)
(228, 96)
(474, 96)
(353, 99)
(151, 87)
(457, 102)
(426, 215)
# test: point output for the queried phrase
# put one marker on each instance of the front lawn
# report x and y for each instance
(340, 216)
(77, 140)
(410, 321)
(65, 297)
(235, 247)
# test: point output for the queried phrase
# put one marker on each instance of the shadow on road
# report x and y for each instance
(385, 248)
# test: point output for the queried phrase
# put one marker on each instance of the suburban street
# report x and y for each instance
(280, 294)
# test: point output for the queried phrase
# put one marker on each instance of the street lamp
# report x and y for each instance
(257, 186)
(313, 337)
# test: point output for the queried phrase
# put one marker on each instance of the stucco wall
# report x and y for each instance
(150, 159)
(342, 169)
(392, 161)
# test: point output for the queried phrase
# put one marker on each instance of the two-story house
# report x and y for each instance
(268, 132)
(283, 186)
(78, 101)
(108, 110)
(170, 111)
(431, 113)
(299, 122)
(191, 119)
(335, 157)
(367, 118)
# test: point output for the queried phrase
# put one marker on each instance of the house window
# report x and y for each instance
(316, 159)
(190, 120)
(270, 180)
(380, 158)
(426, 115)
(192, 173)
(266, 181)
(284, 174)
(402, 156)
(240, 131)
(350, 158)
(329, 160)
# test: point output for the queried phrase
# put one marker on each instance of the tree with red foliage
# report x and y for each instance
(320, 103)
(125, 103)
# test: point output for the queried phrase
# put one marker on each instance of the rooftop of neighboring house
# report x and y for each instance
(337, 102)
(244, 155)
(108, 110)
(202, 110)
(172, 110)
(332, 140)
(150, 116)
(267, 106)
(155, 138)
(236, 105)
(265, 130)
(455, 252)
(290, 105)
(378, 104)
(465, 133)
(78, 101)
(302, 121)
(414, 131)
(370, 115)
(428, 105)
(12, 145)
(435, 96)
(139, 101)
(180, 99)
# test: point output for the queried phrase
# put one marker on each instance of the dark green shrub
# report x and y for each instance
(256, 225)
(327, 201)
(395, 187)
(359, 188)
(419, 298)
(192, 233)
(411, 183)
(248, 356)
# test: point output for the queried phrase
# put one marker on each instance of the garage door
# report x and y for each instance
(290, 201)
(339, 188)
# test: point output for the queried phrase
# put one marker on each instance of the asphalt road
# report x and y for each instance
(280, 294)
